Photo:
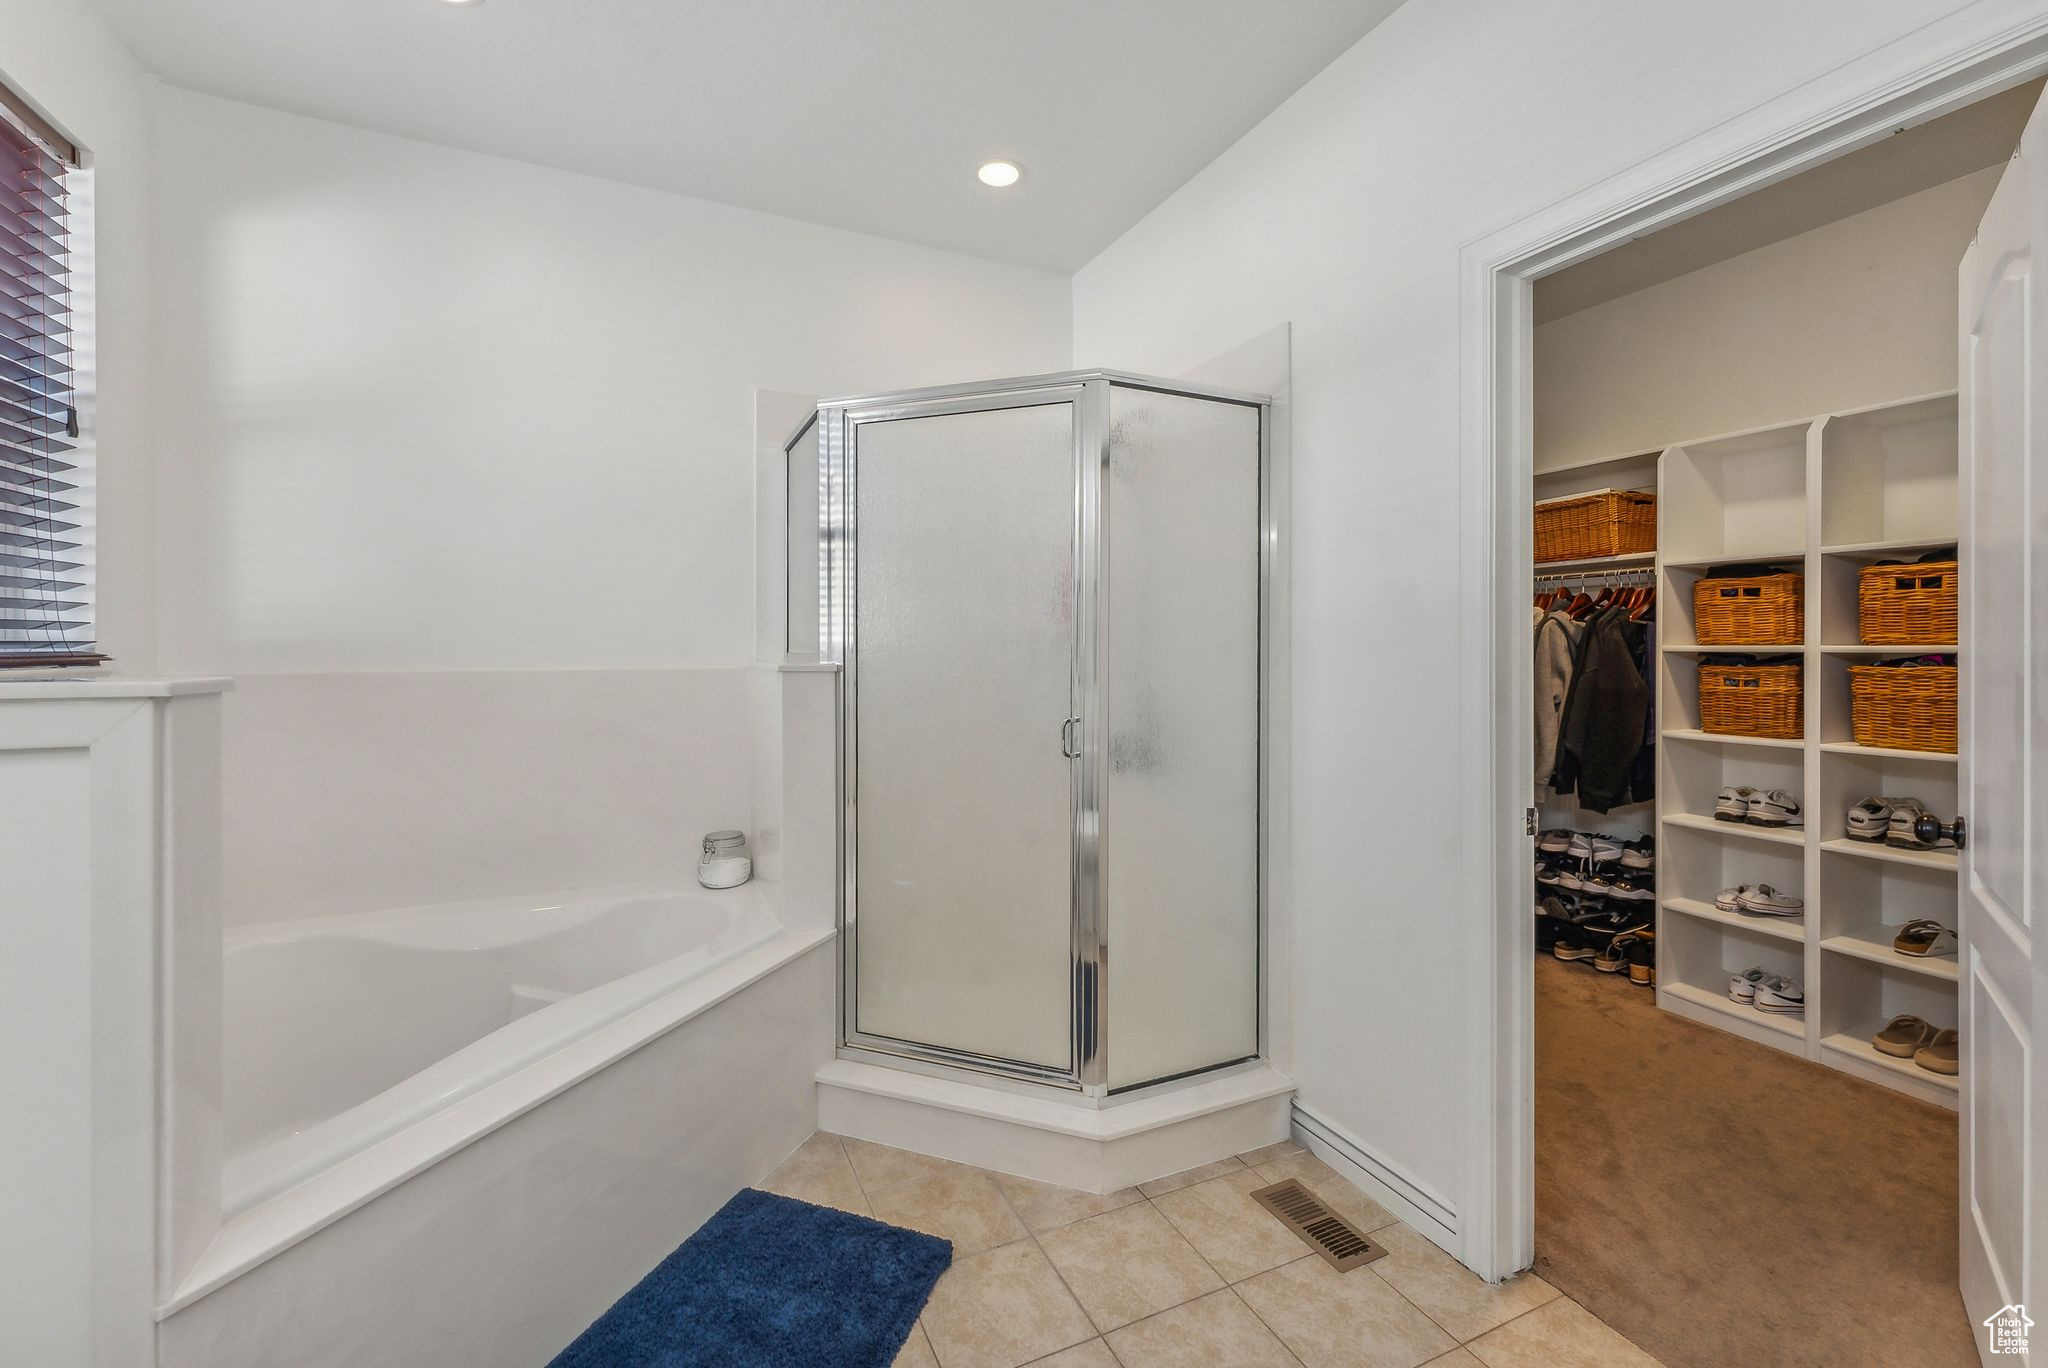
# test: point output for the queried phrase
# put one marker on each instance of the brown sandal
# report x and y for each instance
(1922, 937)
(1940, 1054)
(1904, 1035)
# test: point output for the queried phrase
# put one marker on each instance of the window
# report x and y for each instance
(46, 486)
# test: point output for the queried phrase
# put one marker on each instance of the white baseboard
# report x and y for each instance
(1054, 1139)
(1399, 1191)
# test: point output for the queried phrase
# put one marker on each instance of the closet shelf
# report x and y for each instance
(1796, 556)
(1715, 1001)
(1949, 649)
(1639, 560)
(1859, 1047)
(1694, 822)
(1783, 928)
(1885, 550)
(1863, 850)
(1874, 943)
(1885, 752)
(1694, 734)
(1771, 648)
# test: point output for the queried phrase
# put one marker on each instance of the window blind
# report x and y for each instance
(46, 535)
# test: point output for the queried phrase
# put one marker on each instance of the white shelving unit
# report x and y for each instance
(1830, 495)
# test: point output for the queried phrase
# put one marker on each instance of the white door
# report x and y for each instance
(2004, 369)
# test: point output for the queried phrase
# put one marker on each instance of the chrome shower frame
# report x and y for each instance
(838, 425)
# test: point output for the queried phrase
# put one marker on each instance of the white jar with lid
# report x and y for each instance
(725, 862)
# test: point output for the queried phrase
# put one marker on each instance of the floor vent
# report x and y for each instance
(1342, 1245)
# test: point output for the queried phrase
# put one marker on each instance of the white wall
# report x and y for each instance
(1859, 312)
(1344, 212)
(458, 480)
(62, 56)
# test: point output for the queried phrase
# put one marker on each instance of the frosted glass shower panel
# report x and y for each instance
(1180, 810)
(964, 662)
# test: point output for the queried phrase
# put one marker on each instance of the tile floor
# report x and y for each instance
(1186, 1272)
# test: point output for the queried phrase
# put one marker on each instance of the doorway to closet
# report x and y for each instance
(1745, 772)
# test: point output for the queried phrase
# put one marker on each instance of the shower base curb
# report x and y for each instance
(1067, 1140)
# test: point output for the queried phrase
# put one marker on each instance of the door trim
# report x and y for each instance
(1976, 51)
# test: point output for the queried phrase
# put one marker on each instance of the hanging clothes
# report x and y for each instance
(1558, 640)
(1605, 715)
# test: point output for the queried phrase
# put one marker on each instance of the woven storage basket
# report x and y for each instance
(1907, 605)
(1753, 700)
(1912, 708)
(1614, 522)
(1769, 610)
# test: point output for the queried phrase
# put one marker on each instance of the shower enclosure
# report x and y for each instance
(1046, 597)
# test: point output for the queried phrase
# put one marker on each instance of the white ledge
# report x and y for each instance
(44, 686)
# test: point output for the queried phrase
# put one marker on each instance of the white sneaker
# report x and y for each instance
(1730, 899)
(1766, 901)
(1781, 995)
(1733, 804)
(1742, 986)
(1775, 809)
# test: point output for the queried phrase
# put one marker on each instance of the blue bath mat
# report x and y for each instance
(771, 1282)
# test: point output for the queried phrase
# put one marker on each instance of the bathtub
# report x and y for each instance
(555, 1091)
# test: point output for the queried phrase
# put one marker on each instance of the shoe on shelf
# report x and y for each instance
(1775, 809)
(1555, 842)
(1574, 945)
(1594, 848)
(1613, 957)
(1871, 819)
(1637, 889)
(1941, 1054)
(1766, 901)
(1596, 884)
(1642, 960)
(1733, 804)
(1549, 875)
(1903, 1035)
(1781, 995)
(1641, 853)
(1730, 899)
(1900, 834)
(1742, 986)
(1924, 937)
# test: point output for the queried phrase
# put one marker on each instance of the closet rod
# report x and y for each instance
(1598, 577)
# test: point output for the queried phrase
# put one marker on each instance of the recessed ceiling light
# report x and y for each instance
(999, 173)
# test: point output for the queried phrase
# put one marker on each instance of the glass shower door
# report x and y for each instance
(961, 667)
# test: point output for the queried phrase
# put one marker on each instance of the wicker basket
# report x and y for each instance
(1907, 605)
(1768, 610)
(1614, 522)
(1905, 708)
(1753, 700)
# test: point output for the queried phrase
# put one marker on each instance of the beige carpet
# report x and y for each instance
(1719, 1202)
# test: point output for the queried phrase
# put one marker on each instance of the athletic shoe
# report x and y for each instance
(1780, 995)
(1775, 809)
(1766, 901)
(1901, 833)
(1597, 884)
(1549, 875)
(1742, 986)
(1871, 819)
(1639, 889)
(1594, 849)
(1573, 945)
(1733, 804)
(1555, 842)
(1730, 899)
(1642, 960)
(1640, 853)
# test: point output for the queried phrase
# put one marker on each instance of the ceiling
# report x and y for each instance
(870, 115)
(1920, 158)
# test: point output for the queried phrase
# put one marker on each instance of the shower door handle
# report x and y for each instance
(1070, 742)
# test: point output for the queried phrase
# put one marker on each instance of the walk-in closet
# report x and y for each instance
(1746, 651)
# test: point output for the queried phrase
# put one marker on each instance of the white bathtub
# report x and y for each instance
(342, 1032)
(488, 1086)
